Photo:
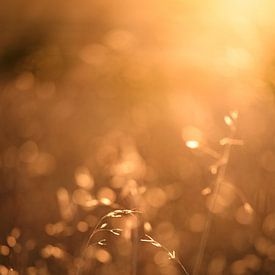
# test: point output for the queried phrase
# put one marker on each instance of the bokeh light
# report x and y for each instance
(137, 137)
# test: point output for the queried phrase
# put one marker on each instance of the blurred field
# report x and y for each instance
(164, 107)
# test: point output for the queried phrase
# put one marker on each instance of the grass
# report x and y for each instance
(219, 168)
(102, 226)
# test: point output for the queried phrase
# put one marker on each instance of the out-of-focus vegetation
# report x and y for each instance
(137, 137)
